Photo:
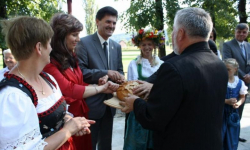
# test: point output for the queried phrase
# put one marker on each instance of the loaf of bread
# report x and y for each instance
(125, 89)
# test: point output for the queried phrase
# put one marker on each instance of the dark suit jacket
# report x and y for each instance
(231, 49)
(185, 105)
(153, 77)
(92, 61)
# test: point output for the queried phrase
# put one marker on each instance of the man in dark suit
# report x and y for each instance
(185, 105)
(240, 50)
(98, 56)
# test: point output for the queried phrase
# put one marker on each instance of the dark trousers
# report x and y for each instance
(101, 131)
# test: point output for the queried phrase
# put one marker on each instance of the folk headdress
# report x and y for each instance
(151, 34)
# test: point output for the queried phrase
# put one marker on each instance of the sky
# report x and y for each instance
(78, 11)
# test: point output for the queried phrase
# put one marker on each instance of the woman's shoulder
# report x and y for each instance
(159, 60)
(9, 92)
(18, 110)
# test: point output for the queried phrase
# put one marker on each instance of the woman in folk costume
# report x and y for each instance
(64, 68)
(33, 112)
(136, 137)
(235, 96)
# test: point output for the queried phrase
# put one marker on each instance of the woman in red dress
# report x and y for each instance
(64, 68)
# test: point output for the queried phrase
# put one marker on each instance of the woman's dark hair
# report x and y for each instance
(213, 46)
(106, 11)
(63, 24)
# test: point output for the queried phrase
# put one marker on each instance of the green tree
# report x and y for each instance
(142, 14)
(39, 8)
(90, 9)
(222, 12)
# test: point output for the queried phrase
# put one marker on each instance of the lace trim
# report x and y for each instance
(156, 61)
(26, 139)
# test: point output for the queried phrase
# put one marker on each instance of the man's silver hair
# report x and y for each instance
(7, 51)
(195, 21)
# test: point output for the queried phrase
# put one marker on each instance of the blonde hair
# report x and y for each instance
(232, 62)
(23, 33)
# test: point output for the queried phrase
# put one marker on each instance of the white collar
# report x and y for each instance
(240, 42)
(101, 39)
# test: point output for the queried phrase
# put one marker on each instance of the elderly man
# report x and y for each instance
(9, 61)
(239, 49)
(186, 102)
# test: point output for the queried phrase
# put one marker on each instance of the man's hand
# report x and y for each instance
(246, 78)
(143, 88)
(115, 76)
(128, 103)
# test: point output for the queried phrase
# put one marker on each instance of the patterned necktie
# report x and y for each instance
(105, 50)
(243, 50)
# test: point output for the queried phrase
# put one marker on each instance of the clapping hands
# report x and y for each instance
(77, 126)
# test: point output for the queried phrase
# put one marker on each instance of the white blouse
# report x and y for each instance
(147, 70)
(19, 124)
(2, 72)
(243, 89)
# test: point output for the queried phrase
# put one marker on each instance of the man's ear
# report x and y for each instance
(38, 48)
(96, 22)
(181, 34)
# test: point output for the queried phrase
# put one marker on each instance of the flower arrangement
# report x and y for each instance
(155, 35)
(151, 34)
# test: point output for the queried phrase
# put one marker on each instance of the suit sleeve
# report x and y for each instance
(227, 53)
(152, 78)
(120, 66)
(90, 75)
(68, 88)
(164, 100)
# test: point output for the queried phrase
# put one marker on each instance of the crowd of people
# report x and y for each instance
(54, 84)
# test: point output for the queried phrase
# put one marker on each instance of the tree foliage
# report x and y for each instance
(142, 13)
(90, 9)
(139, 15)
(44, 9)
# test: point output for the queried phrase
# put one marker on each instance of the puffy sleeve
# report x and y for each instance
(19, 125)
(243, 89)
(132, 71)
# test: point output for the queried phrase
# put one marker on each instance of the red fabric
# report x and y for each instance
(68, 145)
(72, 87)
